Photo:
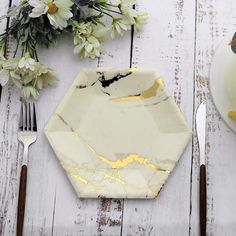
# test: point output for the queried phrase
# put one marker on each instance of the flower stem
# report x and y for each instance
(100, 10)
(36, 54)
(17, 46)
(111, 10)
(111, 5)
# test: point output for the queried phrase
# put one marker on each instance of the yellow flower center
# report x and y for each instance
(52, 8)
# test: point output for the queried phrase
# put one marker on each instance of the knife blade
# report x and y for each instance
(201, 135)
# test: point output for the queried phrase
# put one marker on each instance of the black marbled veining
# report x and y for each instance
(157, 103)
(106, 93)
(81, 86)
(106, 83)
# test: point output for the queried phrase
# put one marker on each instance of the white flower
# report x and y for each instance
(7, 70)
(129, 13)
(26, 73)
(29, 90)
(127, 10)
(81, 31)
(27, 62)
(87, 38)
(140, 20)
(135, 19)
(119, 26)
(91, 48)
(39, 7)
(58, 11)
(100, 32)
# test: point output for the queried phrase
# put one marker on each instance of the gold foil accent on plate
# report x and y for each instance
(80, 178)
(76, 176)
(160, 82)
(150, 92)
(72, 168)
(129, 159)
(232, 114)
(127, 99)
(72, 171)
(119, 180)
(133, 69)
(121, 163)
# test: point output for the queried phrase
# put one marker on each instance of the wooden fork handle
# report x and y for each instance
(21, 200)
(203, 200)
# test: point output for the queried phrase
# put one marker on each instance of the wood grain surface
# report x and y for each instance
(179, 42)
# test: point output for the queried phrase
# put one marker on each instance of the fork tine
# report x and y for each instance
(21, 117)
(34, 119)
(24, 122)
(26, 116)
(29, 117)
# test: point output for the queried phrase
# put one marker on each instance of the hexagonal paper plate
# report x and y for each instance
(117, 133)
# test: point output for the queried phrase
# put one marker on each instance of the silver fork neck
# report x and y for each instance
(25, 155)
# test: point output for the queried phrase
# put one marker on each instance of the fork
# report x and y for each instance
(27, 135)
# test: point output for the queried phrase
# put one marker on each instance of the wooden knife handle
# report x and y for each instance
(203, 200)
(21, 200)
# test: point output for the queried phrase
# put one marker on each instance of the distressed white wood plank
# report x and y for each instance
(8, 150)
(3, 11)
(8, 167)
(167, 45)
(215, 19)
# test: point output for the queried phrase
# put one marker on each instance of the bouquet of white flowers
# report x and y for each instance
(38, 23)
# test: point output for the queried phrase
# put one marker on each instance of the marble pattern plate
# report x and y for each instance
(117, 133)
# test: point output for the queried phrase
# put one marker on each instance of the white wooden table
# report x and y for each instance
(179, 42)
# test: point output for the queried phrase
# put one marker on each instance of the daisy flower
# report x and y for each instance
(58, 11)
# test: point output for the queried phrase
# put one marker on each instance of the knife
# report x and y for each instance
(201, 134)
